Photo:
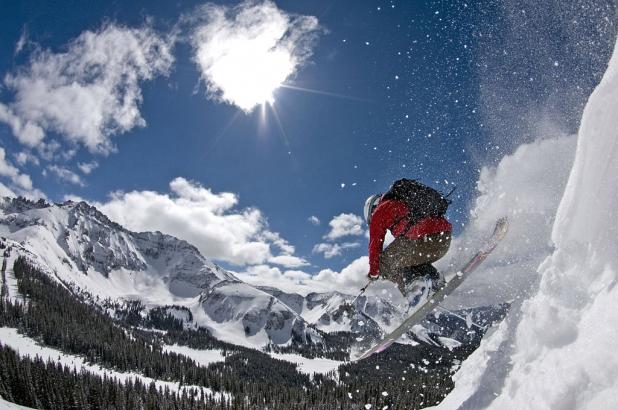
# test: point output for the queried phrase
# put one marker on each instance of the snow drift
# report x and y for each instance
(557, 349)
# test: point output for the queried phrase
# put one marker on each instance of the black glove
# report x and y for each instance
(373, 276)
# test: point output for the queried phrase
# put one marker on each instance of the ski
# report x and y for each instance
(500, 231)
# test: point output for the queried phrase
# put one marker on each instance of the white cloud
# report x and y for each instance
(205, 219)
(345, 225)
(349, 280)
(293, 281)
(314, 220)
(66, 175)
(289, 261)
(273, 237)
(26, 131)
(18, 179)
(26, 157)
(19, 184)
(88, 93)
(22, 42)
(6, 191)
(246, 52)
(88, 167)
(330, 250)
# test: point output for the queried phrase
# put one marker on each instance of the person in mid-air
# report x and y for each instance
(414, 213)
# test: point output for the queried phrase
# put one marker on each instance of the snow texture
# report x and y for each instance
(309, 366)
(556, 350)
(7, 405)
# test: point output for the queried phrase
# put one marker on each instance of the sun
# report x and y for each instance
(247, 76)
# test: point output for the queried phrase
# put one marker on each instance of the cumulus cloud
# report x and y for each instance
(89, 92)
(245, 52)
(345, 225)
(19, 184)
(289, 261)
(25, 157)
(26, 131)
(330, 250)
(66, 175)
(6, 191)
(9, 171)
(293, 281)
(206, 219)
(349, 280)
(88, 167)
(314, 220)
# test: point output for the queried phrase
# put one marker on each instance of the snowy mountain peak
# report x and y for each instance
(75, 243)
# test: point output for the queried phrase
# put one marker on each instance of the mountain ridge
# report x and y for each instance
(81, 245)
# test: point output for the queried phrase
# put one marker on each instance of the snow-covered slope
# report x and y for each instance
(324, 310)
(557, 351)
(78, 245)
(7, 405)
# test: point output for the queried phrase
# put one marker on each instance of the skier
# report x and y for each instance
(414, 213)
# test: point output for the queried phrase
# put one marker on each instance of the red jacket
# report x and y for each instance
(392, 214)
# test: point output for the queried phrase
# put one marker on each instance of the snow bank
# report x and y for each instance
(309, 366)
(558, 351)
(7, 405)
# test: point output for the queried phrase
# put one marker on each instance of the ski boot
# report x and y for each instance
(418, 291)
(420, 282)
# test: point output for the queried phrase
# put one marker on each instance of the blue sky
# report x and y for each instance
(432, 90)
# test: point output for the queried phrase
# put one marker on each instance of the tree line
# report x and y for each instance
(53, 315)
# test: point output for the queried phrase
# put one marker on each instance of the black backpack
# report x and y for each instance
(422, 201)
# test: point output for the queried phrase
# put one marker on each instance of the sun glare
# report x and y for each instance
(248, 76)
